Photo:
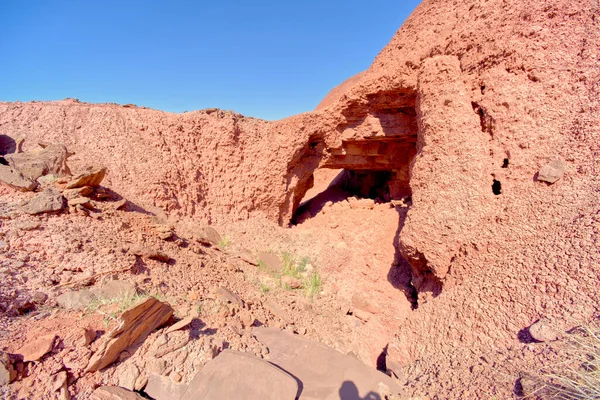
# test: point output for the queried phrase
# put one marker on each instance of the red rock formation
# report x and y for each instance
(462, 108)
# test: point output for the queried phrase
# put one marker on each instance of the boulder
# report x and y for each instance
(16, 180)
(136, 324)
(114, 393)
(114, 289)
(323, 373)
(234, 375)
(34, 164)
(92, 177)
(551, 172)
(50, 200)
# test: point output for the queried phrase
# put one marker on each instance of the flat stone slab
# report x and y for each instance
(233, 375)
(324, 373)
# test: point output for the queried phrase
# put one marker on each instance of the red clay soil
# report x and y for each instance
(459, 251)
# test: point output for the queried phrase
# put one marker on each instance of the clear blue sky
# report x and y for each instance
(267, 59)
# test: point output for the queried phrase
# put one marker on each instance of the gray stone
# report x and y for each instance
(76, 300)
(50, 200)
(234, 375)
(552, 171)
(324, 374)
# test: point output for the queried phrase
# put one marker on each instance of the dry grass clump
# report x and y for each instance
(578, 376)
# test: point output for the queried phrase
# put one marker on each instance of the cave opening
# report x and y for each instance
(335, 185)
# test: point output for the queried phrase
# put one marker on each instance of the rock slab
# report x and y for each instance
(50, 200)
(234, 375)
(136, 324)
(114, 393)
(324, 374)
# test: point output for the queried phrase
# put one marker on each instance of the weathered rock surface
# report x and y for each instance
(114, 393)
(37, 348)
(163, 388)
(148, 253)
(50, 159)
(16, 180)
(7, 370)
(136, 324)
(451, 153)
(75, 300)
(50, 200)
(322, 372)
(208, 235)
(92, 177)
(234, 375)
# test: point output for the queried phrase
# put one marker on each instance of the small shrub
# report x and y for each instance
(225, 242)
(313, 284)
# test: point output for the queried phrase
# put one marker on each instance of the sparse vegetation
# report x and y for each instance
(578, 376)
(225, 242)
(313, 284)
(124, 302)
(264, 288)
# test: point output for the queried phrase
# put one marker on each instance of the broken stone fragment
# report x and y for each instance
(84, 191)
(81, 201)
(552, 171)
(92, 177)
(235, 375)
(148, 253)
(291, 282)
(136, 324)
(38, 348)
(228, 296)
(208, 236)
(114, 393)
(542, 331)
(179, 325)
(163, 388)
(50, 200)
(16, 180)
(7, 370)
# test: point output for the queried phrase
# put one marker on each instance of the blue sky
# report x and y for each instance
(266, 59)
